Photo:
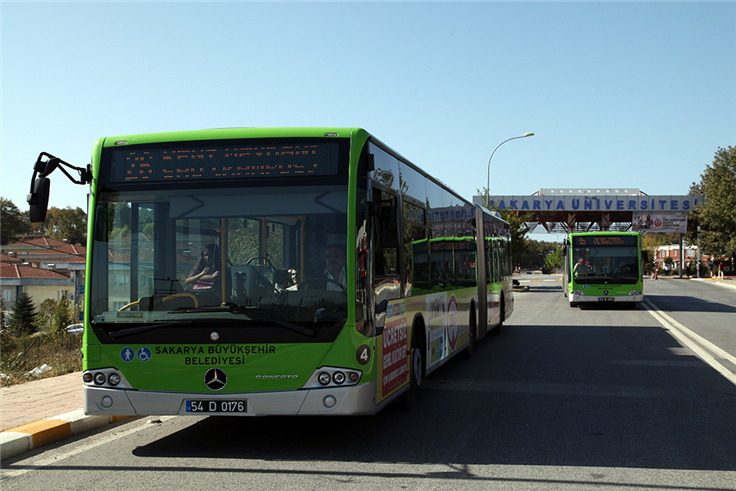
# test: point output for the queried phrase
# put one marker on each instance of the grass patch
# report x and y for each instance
(20, 356)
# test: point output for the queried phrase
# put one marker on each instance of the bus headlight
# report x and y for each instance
(333, 377)
(577, 292)
(105, 377)
(635, 292)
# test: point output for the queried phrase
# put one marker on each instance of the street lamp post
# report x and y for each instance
(488, 182)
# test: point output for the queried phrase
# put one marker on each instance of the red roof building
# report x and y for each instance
(40, 284)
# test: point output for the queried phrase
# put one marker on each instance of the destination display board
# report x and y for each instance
(604, 240)
(218, 161)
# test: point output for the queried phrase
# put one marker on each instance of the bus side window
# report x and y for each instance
(386, 235)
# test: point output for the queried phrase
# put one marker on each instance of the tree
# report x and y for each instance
(651, 241)
(63, 315)
(535, 253)
(717, 215)
(3, 317)
(22, 315)
(68, 224)
(12, 221)
(554, 260)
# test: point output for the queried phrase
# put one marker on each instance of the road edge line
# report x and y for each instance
(662, 318)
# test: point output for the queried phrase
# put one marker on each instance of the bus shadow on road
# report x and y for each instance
(680, 303)
(543, 289)
(535, 395)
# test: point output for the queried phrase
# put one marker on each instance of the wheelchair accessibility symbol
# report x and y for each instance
(144, 354)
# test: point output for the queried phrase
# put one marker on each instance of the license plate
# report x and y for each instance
(606, 299)
(210, 406)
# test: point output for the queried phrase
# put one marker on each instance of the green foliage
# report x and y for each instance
(13, 222)
(651, 241)
(45, 315)
(535, 253)
(20, 355)
(22, 315)
(553, 261)
(717, 216)
(64, 224)
(3, 317)
(53, 316)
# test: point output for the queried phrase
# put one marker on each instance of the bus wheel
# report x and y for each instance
(415, 371)
(470, 348)
(497, 330)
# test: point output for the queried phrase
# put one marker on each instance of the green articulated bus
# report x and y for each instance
(292, 271)
(602, 267)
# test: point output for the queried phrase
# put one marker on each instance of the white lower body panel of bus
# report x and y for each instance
(354, 400)
(573, 298)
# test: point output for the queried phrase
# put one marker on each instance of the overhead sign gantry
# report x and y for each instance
(565, 210)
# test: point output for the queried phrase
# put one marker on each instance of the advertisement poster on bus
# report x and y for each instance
(453, 323)
(444, 326)
(393, 346)
(436, 308)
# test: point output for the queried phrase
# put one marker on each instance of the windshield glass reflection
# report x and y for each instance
(265, 256)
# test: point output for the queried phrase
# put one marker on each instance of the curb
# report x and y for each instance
(33, 435)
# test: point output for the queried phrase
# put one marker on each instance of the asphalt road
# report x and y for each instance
(564, 399)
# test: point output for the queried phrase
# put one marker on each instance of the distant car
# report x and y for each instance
(75, 329)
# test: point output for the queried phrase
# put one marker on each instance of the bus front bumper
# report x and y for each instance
(354, 400)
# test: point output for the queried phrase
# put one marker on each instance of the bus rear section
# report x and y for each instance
(603, 268)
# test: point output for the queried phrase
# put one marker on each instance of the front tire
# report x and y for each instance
(470, 348)
(416, 374)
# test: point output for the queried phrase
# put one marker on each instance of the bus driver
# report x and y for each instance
(335, 270)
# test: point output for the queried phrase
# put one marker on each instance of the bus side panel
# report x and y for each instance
(392, 351)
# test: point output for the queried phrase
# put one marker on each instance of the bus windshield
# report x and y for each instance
(605, 264)
(255, 255)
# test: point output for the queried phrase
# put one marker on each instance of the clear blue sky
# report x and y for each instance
(618, 94)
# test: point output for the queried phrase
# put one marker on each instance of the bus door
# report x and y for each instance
(389, 310)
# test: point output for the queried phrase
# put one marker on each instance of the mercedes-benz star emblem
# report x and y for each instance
(215, 379)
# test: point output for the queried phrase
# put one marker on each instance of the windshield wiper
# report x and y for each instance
(238, 310)
(286, 325)
(137, 330)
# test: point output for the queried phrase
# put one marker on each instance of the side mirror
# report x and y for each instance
(48, 167)
(39, 199)
(645, 256)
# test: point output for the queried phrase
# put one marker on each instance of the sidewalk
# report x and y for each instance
(44, 411)
(729, 281)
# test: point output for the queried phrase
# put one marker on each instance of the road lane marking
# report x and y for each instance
(696, 343)
(56, 458)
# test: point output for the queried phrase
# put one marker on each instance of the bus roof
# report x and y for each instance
(231, 133)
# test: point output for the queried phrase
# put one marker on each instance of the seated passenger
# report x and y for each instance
(204, 274)
(281, 280)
